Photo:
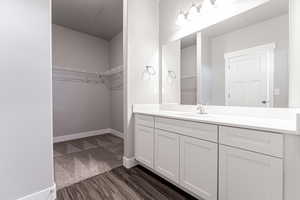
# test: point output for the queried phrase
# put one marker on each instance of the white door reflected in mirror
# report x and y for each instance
(248, 77)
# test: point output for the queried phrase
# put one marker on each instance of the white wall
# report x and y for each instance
(188, 75)
(171, 56)
(80, 107)
(141, 46)
(25, 100)
(116, 51)
(204, 75)
(294, 55)
(188, 61)
(117, 102)
(274, 30)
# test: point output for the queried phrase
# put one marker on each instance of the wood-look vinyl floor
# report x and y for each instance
(81, 159)
(122, 184)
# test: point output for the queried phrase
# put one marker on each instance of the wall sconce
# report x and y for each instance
(148, 72)
(213, 2)
(181, 19)
(194, 12)
(171, 75)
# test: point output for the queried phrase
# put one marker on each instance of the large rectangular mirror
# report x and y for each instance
(241, 61)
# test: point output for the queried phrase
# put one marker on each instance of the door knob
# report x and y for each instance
(265, 102)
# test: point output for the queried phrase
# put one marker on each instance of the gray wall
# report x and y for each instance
(274, 30)
(188, 75)
(204, 85)
(25, 100)
(115, 60)
(80, 107)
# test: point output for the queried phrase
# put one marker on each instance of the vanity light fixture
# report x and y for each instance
(213, 2)
(194, 12)
(172, 74)
(181, 19)
(148, 72)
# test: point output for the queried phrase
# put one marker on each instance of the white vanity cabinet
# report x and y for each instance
(184, 152)
(144, 140)
(250, 165)
(199, 167)
(249, 176)
(167, 154)
(212, 162)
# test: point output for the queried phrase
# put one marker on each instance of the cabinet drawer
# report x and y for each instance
(192, 129)
(258, 141)
(144, 120)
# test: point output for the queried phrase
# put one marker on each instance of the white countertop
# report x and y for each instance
(263, 124)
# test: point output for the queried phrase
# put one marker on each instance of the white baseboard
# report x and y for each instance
(46, 194)
(129, 162)
(117, 133)
(87, 134)
(80, 135)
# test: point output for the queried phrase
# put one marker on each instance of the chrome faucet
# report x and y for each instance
(201, 109)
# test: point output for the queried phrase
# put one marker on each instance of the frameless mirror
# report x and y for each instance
(241, 61)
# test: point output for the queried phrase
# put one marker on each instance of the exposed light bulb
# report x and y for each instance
(193, 12)
(171, 76)
(207, 6)
(148, 72)
(181, 19)
(146, 76)
(213, 2)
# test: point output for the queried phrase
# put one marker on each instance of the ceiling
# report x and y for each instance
(100, 18)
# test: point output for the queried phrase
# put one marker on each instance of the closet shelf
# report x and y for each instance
(76, 75)
(188, 77)
(113, 71)
(110, 72)
(66, 69)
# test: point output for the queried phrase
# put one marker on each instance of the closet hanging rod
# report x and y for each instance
(66, 69)
(113, 71)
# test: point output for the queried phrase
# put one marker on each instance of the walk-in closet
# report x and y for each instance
(87, 60)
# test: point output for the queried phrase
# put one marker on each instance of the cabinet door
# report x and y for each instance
(249, 176)
(144, 142)
(167, 154)
(199, 167)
